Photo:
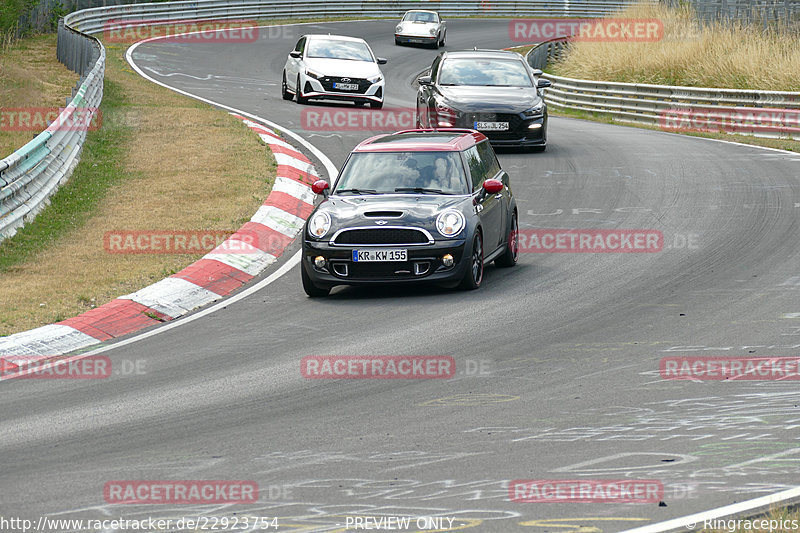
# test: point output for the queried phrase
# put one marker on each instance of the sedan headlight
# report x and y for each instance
(315, 75)
(534, 111)
(375, 79)
(450, 223)
(399, 28)
(432, 31)
(319, 224)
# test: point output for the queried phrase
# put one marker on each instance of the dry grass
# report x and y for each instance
(734, 56)
(184, 165)
(31, 76)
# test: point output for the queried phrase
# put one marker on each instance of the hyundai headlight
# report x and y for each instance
(319, 224)
(534, 111)
(315, 75)
(450, 223)
(375, 79)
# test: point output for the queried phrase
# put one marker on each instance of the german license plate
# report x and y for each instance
(379, 255)
(345, 86)
(416, 40)
(491, 126)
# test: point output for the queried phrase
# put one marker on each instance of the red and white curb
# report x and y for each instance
(241, 257)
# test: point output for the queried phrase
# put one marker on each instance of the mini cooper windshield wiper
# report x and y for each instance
(357, 191)
(420, 190)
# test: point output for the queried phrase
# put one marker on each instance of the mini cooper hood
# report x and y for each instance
(343, 67)
(498, 99)
(349, 210)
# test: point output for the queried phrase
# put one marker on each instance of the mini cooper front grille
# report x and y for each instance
(379, 236)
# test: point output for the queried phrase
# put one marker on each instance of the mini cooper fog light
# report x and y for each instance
(319, 262)
(448, 260)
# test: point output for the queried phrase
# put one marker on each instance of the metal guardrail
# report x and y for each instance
(32, 173)
(93, 20)
(771, 114)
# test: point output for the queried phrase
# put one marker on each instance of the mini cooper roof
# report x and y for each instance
(422, 140)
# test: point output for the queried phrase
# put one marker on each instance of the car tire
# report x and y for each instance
(311, 289)
(285, 89)
(444, 36)
(299, 92)
(511, 255)
(376, 105)
(473, 277)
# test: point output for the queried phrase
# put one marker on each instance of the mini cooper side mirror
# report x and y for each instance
(382, 60)
(320, 187)
(295, 54)
(542, 83)
(492, 186)
(424, 80)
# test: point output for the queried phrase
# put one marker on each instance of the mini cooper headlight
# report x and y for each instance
(450, 223)
(319, 224)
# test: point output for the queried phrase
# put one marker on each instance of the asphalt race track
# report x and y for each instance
(567, 345)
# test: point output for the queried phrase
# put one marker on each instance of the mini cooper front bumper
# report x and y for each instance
(425, 263)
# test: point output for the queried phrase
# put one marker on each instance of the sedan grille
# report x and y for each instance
(378, 236)
(328, 81)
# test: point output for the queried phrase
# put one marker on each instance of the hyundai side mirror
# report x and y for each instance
(321, 187)
(295, 54)
(382, 60)
(541, 83)
(424, 80)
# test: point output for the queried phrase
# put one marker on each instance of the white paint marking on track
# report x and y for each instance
(172, 296)
(278, 219)
(692, 521)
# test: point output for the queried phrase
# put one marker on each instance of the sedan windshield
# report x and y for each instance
(352, 50)
(420, 16)
(403, 172)
(484, 72)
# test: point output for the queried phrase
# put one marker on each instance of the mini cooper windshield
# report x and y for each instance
(403, 172)
(337, 49)
(484, 72)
